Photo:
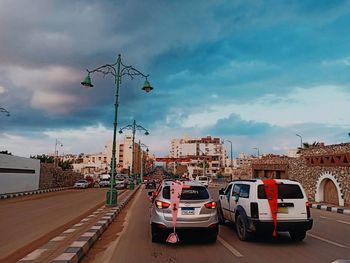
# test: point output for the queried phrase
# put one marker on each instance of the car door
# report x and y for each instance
(234, 200)
(224, 200)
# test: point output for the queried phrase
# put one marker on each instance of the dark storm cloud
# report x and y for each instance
(194, 50)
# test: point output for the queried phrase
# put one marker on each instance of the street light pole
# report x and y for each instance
(141, 158)
(118, 70)
(231, 158)
(56, 152)
(256, 148)
(301, 140)
(134, 127)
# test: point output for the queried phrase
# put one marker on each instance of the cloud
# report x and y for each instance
(234, 125)
(2, 89)
(320, 104)
(228, 66)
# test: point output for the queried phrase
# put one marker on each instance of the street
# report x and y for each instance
(28, 222)
(131, 242)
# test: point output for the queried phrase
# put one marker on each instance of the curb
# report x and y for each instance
(331, 209)
(79, 248)
(35, 192)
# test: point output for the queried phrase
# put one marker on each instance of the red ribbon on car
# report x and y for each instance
(271, 191)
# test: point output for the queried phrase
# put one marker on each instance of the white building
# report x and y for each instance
(18, 174)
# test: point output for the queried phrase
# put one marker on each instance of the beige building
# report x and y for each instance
(99, 163)
(208, 149)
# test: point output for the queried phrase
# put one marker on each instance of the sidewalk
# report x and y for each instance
(331, 208)
(34, 192)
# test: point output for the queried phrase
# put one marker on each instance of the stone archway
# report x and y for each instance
(328, 181)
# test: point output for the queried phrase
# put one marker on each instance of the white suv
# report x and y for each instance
(244, 202)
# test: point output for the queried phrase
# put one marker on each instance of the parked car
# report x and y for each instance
(204, 180)
(90, 180)
(150, 184)
(104, 182)
(81, 184)
(120, 183)
(197, 211)
(244, 202)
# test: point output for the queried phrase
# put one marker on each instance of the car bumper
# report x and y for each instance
(256, 225)
(204, 221)
(79, 186)
(212, 229)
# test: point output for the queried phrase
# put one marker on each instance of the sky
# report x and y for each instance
(253, 72)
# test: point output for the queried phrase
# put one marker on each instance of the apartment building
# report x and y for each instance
(208, 153)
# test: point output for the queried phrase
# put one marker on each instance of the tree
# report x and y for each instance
(6, 152)
(65, 165)
(307, 145)
(43, 158)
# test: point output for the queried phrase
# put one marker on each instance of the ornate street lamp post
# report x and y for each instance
(117, 70)
(133, 127)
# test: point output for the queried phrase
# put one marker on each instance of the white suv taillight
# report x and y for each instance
(307, 204)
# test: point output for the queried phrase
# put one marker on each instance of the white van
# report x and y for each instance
(204, 180)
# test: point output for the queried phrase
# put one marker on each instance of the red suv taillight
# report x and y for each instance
(308, 212)
(254, 210)
(210, 205)
(161, 204)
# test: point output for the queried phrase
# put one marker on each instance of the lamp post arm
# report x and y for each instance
(127, 127)
(105, 70)
(132, 72)
(140, 128)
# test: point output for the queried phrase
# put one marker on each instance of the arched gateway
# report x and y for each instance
(329, 190)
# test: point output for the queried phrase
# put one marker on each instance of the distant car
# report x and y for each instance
(150, 184)
(90, 180)
(120, 183)
(204, 180)
(104, 182)
(197, 211)
(81, 184)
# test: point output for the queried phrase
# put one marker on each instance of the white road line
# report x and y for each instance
(326, 240)
(324, 217)
(344, 222)
(229, 247)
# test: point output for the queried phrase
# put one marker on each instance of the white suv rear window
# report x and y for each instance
(285, 191)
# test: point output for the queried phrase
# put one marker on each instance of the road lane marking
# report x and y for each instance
(323, 217)
(229, 247)
(326, 240)
(344, 222)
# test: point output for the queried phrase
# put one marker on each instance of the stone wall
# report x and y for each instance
(311, 175)
(51, 177)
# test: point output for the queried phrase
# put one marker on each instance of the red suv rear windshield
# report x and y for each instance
(285, 191)
(192, 193)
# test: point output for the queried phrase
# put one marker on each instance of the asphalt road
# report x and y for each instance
(327, 241)
(30, 221)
